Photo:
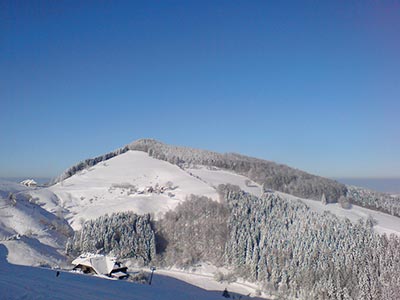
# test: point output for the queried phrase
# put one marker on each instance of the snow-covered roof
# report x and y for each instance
(119, 274)
(100, 263)
(29, 182)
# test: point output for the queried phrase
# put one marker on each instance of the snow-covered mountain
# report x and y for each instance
(147, 176)
(130, 181)
(155, 177)
(275, 176)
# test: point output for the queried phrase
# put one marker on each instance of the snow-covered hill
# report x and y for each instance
(384, 223)
(132, 181)
(32, 234)
(21, 282)
(35, 222)
(215, 176)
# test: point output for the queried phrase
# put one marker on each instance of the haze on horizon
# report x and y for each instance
(315, 86)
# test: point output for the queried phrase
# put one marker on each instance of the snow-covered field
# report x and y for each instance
(32, 235)
(21, 282)
(203, 276)
(384, 223)
(109, 187)
(214, 177)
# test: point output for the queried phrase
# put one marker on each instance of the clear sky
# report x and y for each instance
(311, 84)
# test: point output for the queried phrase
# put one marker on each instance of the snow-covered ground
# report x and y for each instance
(21, 282)
(385, 223)
(203, 276)
(109, 187)
(7, 187)
(29, 251)
(214, 177)
(32, 235)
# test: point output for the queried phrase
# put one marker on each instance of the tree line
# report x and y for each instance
(281, 244)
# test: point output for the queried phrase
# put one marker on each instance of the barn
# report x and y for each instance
(101, 265)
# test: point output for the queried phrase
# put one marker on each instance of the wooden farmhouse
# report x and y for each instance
(101, 265)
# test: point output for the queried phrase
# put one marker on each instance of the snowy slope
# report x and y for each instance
(32, 235)
(203, 278)
(214, 177)
(7, 187)
(120, 184)
(385, 223)
(20, 282)
(22, 215)
(107, 186)
(29, 251)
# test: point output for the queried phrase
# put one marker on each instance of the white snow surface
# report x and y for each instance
(22, 282)
(203, 275)
(100, 263)
(31, 252)
(7, 187)
(32, 235)
(96, 191)
(214, 177)
(385, 223)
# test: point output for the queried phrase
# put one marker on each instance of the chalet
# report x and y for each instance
(101, 265)
(29, 183)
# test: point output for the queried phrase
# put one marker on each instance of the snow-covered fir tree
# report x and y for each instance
(122, 234)
(290, 248)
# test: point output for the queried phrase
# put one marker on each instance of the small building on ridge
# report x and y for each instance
(29, 183)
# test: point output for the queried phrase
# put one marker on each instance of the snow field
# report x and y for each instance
(385, 223)
(215, 177)
(21, 282)
(107, 188)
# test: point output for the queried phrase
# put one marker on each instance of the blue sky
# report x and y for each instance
(311, 84)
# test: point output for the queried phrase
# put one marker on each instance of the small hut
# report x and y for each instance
(101, 265)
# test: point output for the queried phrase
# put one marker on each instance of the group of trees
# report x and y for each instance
(122, 234)
(297, 252)
(195, 231)
(281, 244)
(374, 200)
